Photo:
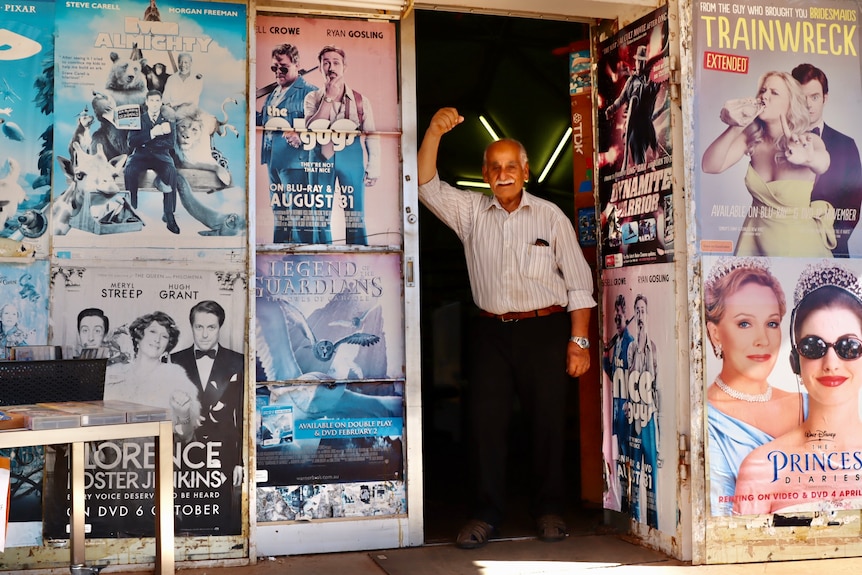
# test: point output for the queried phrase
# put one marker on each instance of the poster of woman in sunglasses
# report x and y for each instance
(783, 378)
(327, 121)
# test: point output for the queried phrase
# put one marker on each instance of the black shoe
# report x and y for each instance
(173, 227)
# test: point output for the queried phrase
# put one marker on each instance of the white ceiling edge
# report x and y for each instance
(570, 10)
(576, 10)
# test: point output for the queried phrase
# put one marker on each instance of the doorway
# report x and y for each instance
(515, 73)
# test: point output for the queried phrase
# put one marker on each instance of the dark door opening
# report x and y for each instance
(515, 73)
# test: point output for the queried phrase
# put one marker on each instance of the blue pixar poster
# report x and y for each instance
(26, 117)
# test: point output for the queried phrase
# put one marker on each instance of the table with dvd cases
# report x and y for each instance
(162, 431)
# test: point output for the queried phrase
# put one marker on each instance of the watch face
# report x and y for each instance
(581, 342)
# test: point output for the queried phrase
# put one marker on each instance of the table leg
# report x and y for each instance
(77, 519)
(164, 499)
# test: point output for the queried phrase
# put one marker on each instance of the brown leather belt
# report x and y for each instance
(516, 315)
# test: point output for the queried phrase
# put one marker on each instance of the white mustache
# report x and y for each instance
(505, 182)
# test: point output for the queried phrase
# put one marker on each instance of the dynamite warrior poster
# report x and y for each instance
(635, 180)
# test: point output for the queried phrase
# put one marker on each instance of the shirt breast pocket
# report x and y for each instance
(537, 261)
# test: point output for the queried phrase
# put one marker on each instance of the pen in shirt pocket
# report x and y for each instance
(541, 242)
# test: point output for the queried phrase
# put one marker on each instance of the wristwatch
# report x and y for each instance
(581, 342)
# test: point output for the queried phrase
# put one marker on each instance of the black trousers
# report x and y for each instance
(527, 359)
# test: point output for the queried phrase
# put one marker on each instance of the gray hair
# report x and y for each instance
(521, 148)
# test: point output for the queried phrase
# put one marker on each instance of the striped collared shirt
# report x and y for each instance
(520, 261)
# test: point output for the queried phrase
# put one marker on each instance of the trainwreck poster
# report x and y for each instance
(174, 338)
(634, 160)
(150, 133)
(639, 368)
(783, 427)
(26, 116)
(327, 115)
(777, 161)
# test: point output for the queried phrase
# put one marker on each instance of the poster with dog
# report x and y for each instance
(177, 180)
(174, 338)
(26, 98)
(328, 130)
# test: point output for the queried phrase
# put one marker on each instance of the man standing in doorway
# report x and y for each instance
(534, 291)
(841, 184)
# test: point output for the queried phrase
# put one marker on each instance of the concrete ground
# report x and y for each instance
(594, 554)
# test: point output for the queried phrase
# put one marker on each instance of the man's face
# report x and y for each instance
(332, 66)
(286, 72)
(815, 99)
(154, 102)
(91, 332)
(205, 330)
(504, 171)
(185, 64)
(641, 313)
(620, 319)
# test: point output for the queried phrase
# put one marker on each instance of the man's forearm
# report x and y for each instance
(580, 322)
(427, 157)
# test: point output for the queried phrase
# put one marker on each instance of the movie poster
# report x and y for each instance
(325, 431)
(638, 394)
(322, 501)
(26, 117)
(24, 321)
(777, 165)
(150, 141)
(329, 316)
(634, 159)
(328, 164)
(174, 338)
(804, 455)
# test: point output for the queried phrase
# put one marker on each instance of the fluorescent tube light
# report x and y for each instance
(556, 153)
(488, 127)
(472, 184)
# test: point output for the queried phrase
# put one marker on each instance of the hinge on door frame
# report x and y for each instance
(675, 78)
(684, 457)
